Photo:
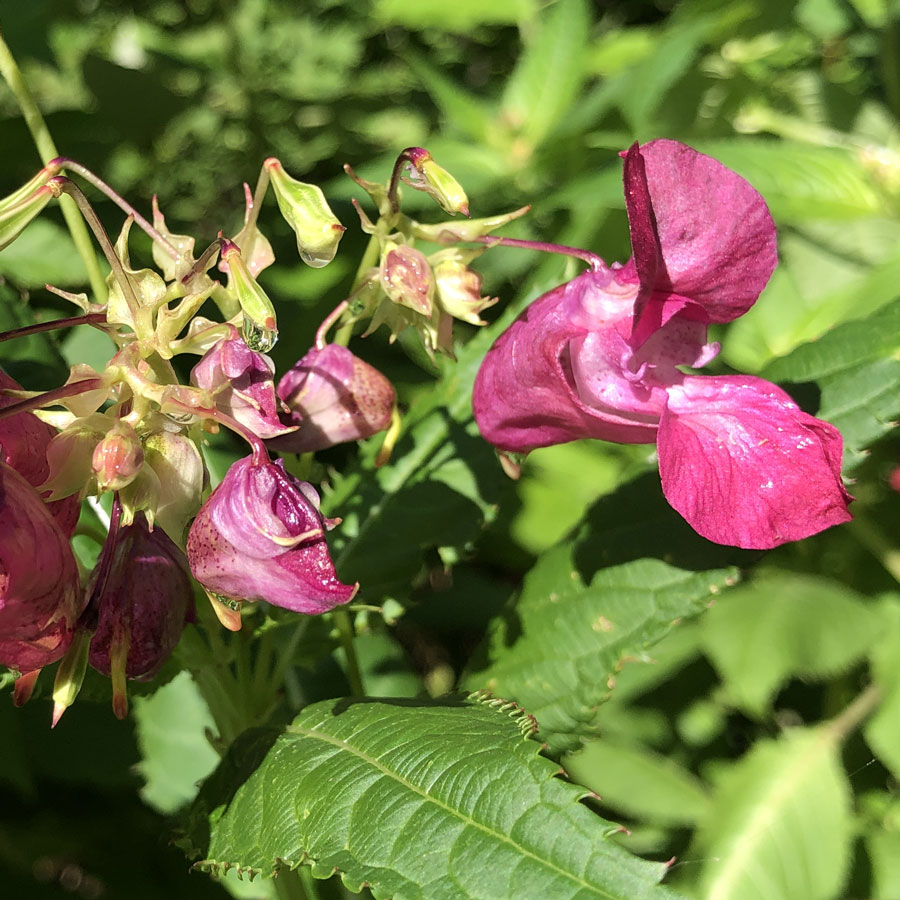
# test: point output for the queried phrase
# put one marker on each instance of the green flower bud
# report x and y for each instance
(260, 329)
(305, 210)
(424, 174)
(15, 216)
(454, 232)
(459, 287)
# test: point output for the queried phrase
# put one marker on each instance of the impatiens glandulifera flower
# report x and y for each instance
(599, 357)
(143, 598)
(240, 381)
(260, 536)
(334, 397)
(40, 596)
(24, 440)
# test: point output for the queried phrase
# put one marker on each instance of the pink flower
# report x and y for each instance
(240, 381)
(24, 439)
(40, 596)
(334, 397)
(600, 356)
(260, 536)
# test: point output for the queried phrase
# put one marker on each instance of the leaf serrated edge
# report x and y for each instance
(527, 723)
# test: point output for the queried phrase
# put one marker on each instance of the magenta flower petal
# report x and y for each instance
(526, 394)
(24, 439)
(241, 384)
(334, 397)
(260, 536)
(40, 597)
(746, 466)
(711, 231)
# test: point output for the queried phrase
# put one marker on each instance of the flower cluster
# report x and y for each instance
(603, 356)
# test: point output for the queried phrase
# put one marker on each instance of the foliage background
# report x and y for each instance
(720, 742)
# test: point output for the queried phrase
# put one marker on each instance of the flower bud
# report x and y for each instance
(406, 278)
(260, 328)
(240, 382)
(304, 208)
(118, 457)
(334, 397)
(70, 457)
(260, 536)
(424, 174)
(15, 216)
(179, 469)
(458, 231)
(143, 602)
(459, 287)
(40, 598)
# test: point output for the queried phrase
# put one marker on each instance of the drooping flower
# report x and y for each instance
(240, 381)
(40, 597)
(333, 396)
(599, 357)
(260, 536)
(143, 599)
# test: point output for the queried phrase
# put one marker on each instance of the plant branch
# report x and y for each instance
(89, 319)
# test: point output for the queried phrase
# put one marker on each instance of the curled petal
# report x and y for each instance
(526, 394)
(334, 397)
(703, 238)
(746, 466)
(260, 536)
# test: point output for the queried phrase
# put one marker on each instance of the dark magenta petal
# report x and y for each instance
(40, 596)
(525, 393)
(746, 466)
(145, 602)
(241, 384)
(260, 536)
(704, 243)
(334, 397)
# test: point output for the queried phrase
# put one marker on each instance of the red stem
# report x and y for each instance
(89, 319)
(49, 398)
(595, 262)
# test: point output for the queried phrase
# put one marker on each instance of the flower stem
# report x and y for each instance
(345, 630)
(853, 715)
(327, 322)
(89, 319)
(47, 151)
(49, 398)
(595, 262)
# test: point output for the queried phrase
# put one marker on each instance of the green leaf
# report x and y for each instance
(642, 784)
(858, 374)
(882, 731)
(176, 755)
(461, 16)
(43, 253)
(782, 625)
(415, 799)
(549, 72)
(779, 827)
(593, 603)
(801, 182)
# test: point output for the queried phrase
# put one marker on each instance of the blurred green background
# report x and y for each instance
(525, 102)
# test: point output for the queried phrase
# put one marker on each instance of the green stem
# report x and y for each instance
(844, 724)
(872, 538)
(345, 630)
(47, 151)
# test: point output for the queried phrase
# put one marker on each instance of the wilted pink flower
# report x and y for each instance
(599, 356)
(240, 382)
(24, 439)
(334, 397)
(40, 597)
(143, 597)
(260, 536)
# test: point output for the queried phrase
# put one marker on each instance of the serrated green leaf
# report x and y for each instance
(639, 783)
(779, 827)
(593, 603)
(781, 625)
(549, 72)
(445, 801)
(801, 181)
(175, 753)
(858, 374)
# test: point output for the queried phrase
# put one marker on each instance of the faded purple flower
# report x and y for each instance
(240, 381)
(260, 536)
(143, 598)
(334, 397)
(40, 596)
(600, 356)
